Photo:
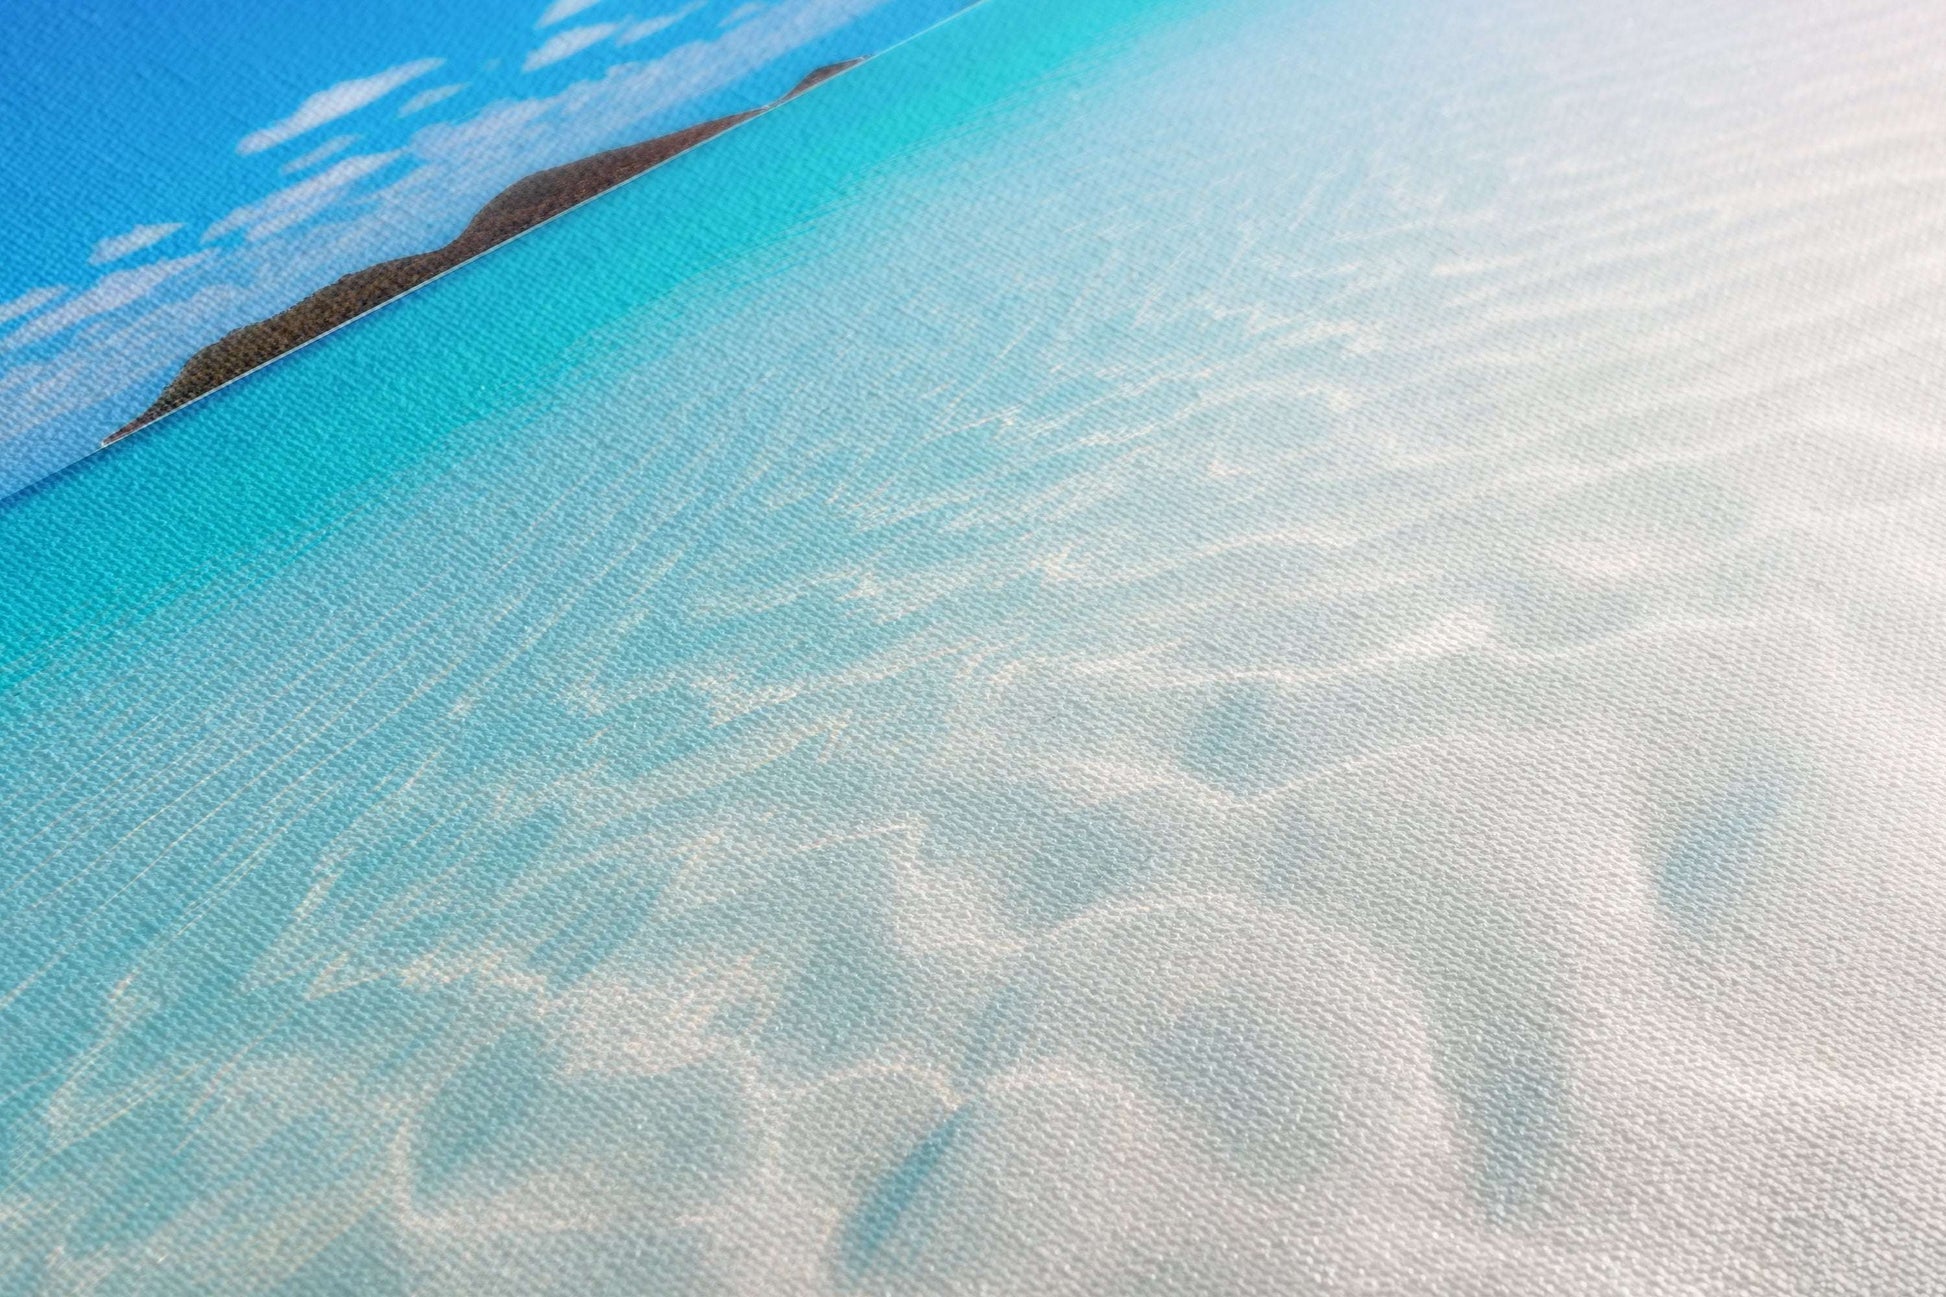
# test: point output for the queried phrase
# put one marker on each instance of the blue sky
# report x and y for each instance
(127, 112)
(177, 169)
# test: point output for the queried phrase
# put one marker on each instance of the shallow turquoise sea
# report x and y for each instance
(1150, 646)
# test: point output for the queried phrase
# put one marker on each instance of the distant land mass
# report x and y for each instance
(516, 209)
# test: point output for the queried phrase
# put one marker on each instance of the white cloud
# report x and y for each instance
(299, 202)
(119, 246)
(30, 301)
(330, 148)
(427, 98)
(465, 162)
(742, 13)
(110, 293)
(568, 43)
(515, 126)
(329, 105)
(650, 26)
(561, 10)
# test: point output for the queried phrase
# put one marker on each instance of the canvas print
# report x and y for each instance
(188, 198)
(1106, 647)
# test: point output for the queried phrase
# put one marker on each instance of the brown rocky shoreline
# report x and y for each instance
(516, 209)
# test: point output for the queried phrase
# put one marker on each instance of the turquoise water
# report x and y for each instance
(1153, 646)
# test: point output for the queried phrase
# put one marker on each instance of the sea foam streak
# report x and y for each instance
(1305, 651)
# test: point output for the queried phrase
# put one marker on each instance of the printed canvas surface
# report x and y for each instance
(1144, 646)
(187, 198)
